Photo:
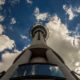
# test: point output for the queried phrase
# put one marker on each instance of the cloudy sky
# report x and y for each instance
(61, 17)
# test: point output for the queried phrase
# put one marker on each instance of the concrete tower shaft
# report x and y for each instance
(39, 29)
(39, 35)
(38, 62)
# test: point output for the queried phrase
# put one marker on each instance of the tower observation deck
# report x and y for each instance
(38, 62)
(39, 29)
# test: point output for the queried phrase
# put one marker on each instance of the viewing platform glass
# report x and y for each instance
(35, 69)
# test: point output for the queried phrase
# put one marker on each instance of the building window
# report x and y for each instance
(35, 69)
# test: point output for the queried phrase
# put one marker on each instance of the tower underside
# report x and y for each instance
(38, 62)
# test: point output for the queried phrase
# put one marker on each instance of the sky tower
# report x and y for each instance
(38, 62)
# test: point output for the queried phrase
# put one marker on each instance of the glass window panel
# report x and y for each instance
(38, 69)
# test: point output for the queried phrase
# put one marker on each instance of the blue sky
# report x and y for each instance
(61, 17)
(23, 13)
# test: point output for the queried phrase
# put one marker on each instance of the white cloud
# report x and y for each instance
(77, 64)
(2, 2)
(6, 43)
(1, 18)
(1, 29)
(29, 1)
(77, 9)
(77, 70)
(7, 59)
(40, 16)
(13, 21)
(62, 43)
(69, 11)
(24, 37)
